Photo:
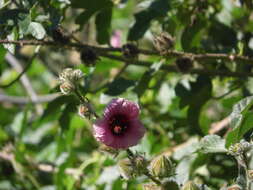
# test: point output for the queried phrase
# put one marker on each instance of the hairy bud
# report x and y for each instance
(130, 50)
(239, 148)
(140, 164)
(234, 187)
(89, 57)
(59, 36)
(184, 64)
(66, 88)
(151, 186)
(170, 184)
(83, 111)
(190, 185)
(162, 166)
(71, 75)
(163, 42)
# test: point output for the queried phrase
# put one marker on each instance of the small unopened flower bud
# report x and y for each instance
(151, 186)
(89, 57)
(83, 111)
(130, 50)
(234, 187)
(141, 164)
(65, 75)
(184, 64)
(190, 185)
(59, 36)
(66, 88)
(162, 166)
(126, 169)
(239, 148)
(250, 174)
(170, 184)
(77, 75)
(163, 42)
(71, 75)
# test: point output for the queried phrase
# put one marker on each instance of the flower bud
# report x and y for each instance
(170, 184)
(184, 64)
(239, 148)
(77, 74)
(89, 57)
(151, 186)
(140, 164)
(83, 111)
(66, 88)
(163, 42)
(130, 50)
(162, 167)
(190, 185)
(234, 187)
(126, 169)
(65, 75)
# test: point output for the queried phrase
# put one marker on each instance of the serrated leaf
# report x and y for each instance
(118, 86)
(241, 120)
(36, 30)
(212, 144)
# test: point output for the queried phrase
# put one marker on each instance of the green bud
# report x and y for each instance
(162, 166)
(126, 169)
(170, 184)
(66, 88)
(140, 164)
(190, 185)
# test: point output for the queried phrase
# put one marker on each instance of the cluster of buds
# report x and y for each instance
(69, 79)
(162, 167)
(239, 148)
(163, 42)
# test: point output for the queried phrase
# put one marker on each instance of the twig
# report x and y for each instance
(217, 126)
(26, 100)
(24, 79)
(28, 65)
(169, 53)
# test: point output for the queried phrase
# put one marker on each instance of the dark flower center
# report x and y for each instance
(118, 124)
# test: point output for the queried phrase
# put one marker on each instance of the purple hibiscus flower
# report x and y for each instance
(120, 127)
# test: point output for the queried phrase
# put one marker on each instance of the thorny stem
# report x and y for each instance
(131, 155)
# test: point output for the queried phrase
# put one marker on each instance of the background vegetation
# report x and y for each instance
(186, 86)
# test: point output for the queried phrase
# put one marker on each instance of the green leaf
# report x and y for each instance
(65, 117)
(199, 93)
(212, 144)
(241, 120)
(118, 86)
(103, 24)
(143, 19)
(143, 83)
(36, 30)
(192, 35)
(90, 8)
